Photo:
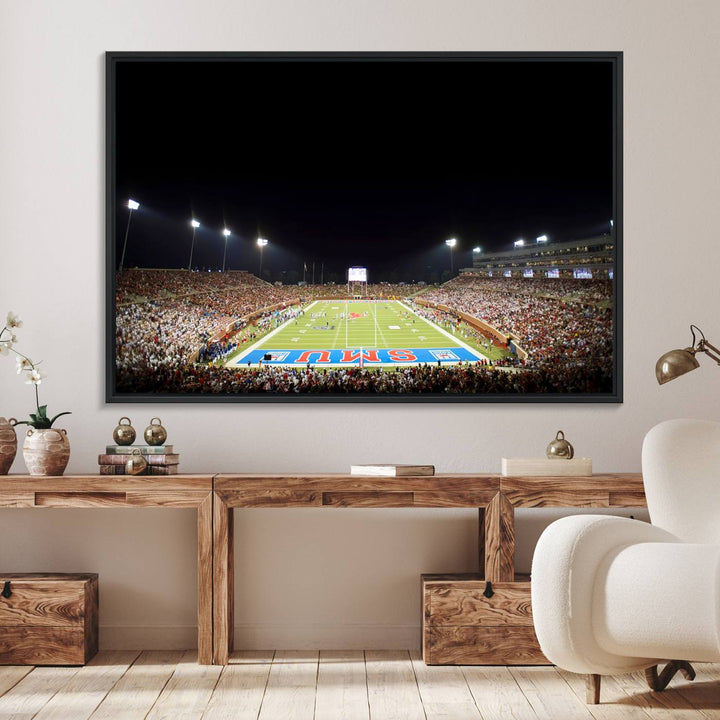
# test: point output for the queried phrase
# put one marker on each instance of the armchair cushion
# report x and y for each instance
(567, 559)
(659, 600)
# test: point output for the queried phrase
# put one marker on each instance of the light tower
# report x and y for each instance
(451, 243)
(195, 225)
(132, 205)
(227, 234)
(261, 242)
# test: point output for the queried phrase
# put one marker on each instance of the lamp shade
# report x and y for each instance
(675, 363)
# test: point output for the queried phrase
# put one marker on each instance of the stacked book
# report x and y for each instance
(160, 459)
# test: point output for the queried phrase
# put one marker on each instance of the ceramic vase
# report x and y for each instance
(8, 444)
(46, 452)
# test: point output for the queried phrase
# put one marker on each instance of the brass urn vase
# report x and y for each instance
(8, 444)
(46, 451)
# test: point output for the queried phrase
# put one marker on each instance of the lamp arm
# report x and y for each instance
(710, 350)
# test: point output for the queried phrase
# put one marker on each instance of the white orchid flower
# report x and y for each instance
(35, 377)
(5, 346)
(23, 364)
(13, 320)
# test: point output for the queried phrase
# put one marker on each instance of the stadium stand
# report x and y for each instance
(168, 320)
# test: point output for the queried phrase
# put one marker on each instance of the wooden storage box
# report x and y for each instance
(461, 626)
(48, 618)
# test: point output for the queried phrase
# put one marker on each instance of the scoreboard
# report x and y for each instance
(357, 274)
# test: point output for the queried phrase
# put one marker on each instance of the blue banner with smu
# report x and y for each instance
(363, 357)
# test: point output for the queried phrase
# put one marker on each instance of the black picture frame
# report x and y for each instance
(115, 60)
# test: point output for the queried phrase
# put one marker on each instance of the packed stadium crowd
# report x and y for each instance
(162, 315)
(420, 379)
(166, 319)
(139, 285)
(135, 285)
(569, 289)
(551, 330)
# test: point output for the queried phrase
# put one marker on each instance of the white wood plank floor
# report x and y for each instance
(346, 685)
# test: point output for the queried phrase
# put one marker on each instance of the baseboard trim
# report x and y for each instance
(148, 637)
(254, 636)
(327, 637)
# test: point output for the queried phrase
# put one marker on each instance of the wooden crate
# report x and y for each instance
(48, 618)
(461, 626)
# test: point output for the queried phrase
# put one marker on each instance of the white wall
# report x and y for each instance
(319, 577)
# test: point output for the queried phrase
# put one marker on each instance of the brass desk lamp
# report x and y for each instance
(677, 362)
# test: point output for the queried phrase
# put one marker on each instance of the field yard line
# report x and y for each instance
(382, 334)
(475, 352)
(262, 340)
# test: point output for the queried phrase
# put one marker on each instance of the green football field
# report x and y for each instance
(337, 326)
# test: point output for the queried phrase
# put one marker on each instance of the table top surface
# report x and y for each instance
(343, 490)
(99, 483)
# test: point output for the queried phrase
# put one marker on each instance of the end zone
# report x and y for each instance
(365, 358)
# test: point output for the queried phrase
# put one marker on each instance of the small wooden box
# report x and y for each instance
(461, 626)
(48, 618)
(547, 467)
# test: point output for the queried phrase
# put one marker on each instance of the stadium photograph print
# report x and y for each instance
(368, 227)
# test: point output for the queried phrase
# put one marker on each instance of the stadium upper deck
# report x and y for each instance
(591, 257)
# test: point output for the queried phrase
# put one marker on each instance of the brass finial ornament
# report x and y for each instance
(136, 463)
(560, 448)
(124, 433)
(155, 433)
(678, 362)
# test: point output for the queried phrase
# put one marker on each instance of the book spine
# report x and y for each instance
(162, 470)
(144, 449)
(112, 469)
(173, 459)
(149, 470)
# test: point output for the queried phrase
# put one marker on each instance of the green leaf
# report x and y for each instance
(67, 412)
(42, 411)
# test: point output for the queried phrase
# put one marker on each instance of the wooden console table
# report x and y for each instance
(126, 491)
(215, 498)
(495, 497)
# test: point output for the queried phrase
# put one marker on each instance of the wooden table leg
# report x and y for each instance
(205, 580)
(223, 581)
(499, 540)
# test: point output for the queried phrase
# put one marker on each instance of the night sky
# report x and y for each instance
(359, 163)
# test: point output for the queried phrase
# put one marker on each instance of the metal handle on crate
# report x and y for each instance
(6, 592)
(488, 592)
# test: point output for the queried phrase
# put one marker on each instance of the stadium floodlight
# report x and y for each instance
(477, 249)
(227, 234)
(541, 239)
(195, 225)
(261, 242)
(132, 205)
(451, 243)
(519, 243)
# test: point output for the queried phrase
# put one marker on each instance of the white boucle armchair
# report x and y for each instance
(613, 595)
